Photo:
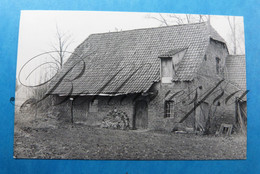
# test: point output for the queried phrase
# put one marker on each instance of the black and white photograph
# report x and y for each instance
(130, 86)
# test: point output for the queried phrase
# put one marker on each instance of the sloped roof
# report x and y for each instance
(172, 52)
(236, 68)
(127, 61)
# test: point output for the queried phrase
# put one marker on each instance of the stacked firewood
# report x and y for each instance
(116, 119)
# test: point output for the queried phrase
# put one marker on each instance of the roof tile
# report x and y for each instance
(127, 61)
(236, 67)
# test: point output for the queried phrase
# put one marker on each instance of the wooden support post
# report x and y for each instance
(240, 120)
(236, 111)
(72, 99)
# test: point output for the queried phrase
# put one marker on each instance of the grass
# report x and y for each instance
(67, 141)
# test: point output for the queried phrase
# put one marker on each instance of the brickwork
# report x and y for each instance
(182, 93)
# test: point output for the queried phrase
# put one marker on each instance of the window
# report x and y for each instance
(93, 106)
(169, 108)
(167, 70)
(205, 57)
(217, 64)
(170, 62)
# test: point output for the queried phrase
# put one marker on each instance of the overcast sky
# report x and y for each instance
(38, 28)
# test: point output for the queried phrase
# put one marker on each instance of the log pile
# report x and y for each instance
(116, 120)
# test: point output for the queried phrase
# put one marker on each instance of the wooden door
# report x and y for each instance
(141, 115)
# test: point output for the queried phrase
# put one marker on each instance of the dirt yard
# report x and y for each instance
(35, 139)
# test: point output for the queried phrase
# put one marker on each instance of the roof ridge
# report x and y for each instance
(114, 51)
(177, 25)
(214, 34)
(236, 55)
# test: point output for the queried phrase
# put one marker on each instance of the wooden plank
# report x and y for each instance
(240, 120)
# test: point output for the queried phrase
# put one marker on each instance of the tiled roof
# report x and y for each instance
(127, 61)
(236, 67)
(172, 52)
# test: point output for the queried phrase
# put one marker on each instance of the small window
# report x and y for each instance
(166, 70)
(169, 109)
(205, 57)
(93, 106)
(217, 64)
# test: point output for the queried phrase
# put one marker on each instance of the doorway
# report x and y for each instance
(140, 120)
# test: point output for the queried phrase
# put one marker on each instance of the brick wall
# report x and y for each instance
(156, 121)
(82, 113)
(206, 78)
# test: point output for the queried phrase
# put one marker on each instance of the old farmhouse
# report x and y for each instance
(157, 76)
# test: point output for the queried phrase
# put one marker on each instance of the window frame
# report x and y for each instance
(169, 109)
(93, 106)
(166, 69)
(218, 65)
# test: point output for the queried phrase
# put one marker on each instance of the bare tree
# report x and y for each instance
(53, 62)
(236, 36)
(178, 19)
(161, 19)
(61, 46)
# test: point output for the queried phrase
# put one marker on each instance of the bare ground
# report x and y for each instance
(67, 141)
